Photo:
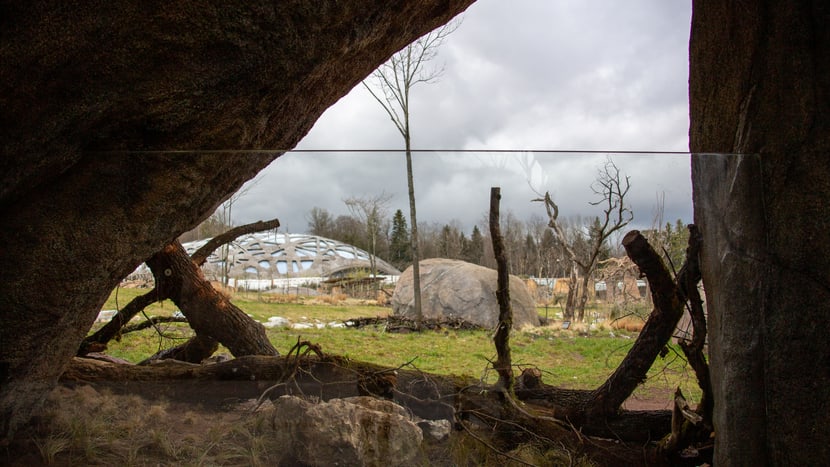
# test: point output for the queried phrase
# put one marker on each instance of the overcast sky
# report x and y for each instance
(519, 74)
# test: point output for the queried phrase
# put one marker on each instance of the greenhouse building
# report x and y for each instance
(270, 255)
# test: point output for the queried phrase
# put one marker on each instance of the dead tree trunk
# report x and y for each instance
(205, 343)
(668, 308)
(209, 313)
(503, 363)
(601, 406)
(570, 301)
(583, 296)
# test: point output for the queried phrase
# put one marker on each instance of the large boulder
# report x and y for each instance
(353, 431)
(452, 289)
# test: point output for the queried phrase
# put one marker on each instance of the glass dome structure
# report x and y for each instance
(269, 255)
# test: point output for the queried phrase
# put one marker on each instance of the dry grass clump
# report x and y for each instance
(468, 450)
(382, 298)
(628, 323)
(282, 298)
(92, 427)
(85, 426)
(332, 299)
(626, 327)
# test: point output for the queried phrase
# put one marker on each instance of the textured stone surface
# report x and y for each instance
(435, 431)
(452, 289)
(356, 431)
(760, 86)
(80, 79)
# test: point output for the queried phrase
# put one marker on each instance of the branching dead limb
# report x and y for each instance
(201, 255)
(293, 363)
(152, 322)
(612, 189)
(694, 350)
(668, 309)
(195, 350)
(97, 342)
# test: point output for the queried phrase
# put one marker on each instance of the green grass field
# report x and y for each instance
(576, 358)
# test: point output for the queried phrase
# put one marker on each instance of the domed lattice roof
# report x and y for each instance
(269, 255)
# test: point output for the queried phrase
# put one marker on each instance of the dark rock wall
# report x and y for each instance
(80, 79)
(760, 85)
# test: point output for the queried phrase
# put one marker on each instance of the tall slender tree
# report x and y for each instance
(394, 80)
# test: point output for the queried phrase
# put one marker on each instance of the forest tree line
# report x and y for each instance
(532, 248)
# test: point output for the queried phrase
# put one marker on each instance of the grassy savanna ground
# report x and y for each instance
(89, 425)
(580, 357)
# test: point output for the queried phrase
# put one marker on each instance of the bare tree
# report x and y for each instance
(320, 222)
(372, 212)
(395, 79)
(224, 215)
(612, 188)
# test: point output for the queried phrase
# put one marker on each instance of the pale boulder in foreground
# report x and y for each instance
(353, 431)
(452, 289)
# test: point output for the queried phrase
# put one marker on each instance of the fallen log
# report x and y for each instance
(427, 395)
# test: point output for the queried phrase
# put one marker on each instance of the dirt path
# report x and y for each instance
(654, 399)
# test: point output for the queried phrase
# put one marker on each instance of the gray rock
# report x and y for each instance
(435, 431)
(452, 289)
(355, 431)
(277, 322)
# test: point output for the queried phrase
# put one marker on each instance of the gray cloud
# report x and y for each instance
(522, 74)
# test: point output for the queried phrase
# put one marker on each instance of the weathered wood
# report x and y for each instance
(571, 404)
(97, 342)
(195, 350)
(602, 405)
(209, 312)
(188, 351)
(687, 280)
(661, 323)
(428, 396)
(503, 365)
(201, 255)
